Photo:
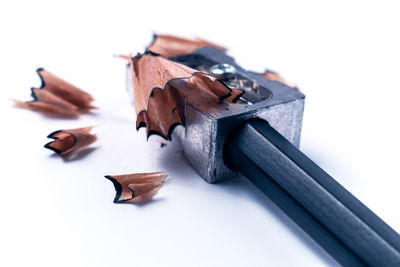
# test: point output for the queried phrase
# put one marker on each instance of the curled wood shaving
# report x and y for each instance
(270, 75)
(162, 88)
(172, 46)
(67, 142)
(57, 97)
(136, 187)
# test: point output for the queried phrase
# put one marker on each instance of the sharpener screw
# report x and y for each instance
(223, 71)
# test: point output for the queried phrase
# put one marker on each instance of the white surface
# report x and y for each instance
(344, 57)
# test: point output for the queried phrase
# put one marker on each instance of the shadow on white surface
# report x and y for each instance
(79, 155)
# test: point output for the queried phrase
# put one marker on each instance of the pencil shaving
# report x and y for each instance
(172, 46)
(162, 88)
(136, 187)
(67, 142)
(57, 97)
(271, 75)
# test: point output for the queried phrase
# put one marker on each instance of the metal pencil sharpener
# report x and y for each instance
(205, 131)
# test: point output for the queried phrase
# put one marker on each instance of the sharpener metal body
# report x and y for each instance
(205, 132)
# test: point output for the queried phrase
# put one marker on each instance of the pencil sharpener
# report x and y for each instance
(204, 134)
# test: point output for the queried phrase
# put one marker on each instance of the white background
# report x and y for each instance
(344, 56)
